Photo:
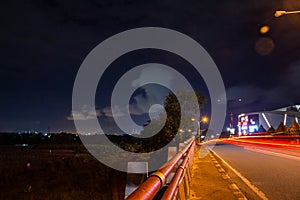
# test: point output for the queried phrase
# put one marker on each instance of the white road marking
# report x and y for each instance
(245, 180)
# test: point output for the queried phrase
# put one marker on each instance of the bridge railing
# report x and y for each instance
(179, 185)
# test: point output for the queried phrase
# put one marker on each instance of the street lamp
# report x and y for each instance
(265, 28)
(279, 13)
(204, 120)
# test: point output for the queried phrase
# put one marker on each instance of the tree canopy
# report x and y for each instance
(160, 131)
(176, 114)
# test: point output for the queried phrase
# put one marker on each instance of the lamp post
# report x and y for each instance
(279, 13)
(198, 131)
(204, 120)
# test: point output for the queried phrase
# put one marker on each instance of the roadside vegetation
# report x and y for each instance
(58, 166)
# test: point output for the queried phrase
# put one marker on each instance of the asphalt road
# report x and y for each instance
(275, 173)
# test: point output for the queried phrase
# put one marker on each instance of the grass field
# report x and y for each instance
(62, 173)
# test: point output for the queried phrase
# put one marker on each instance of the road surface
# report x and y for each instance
(276, 172)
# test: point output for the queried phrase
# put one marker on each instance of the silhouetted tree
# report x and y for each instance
(172, 119)
(281, 128)
(294, 128)
(271, 130)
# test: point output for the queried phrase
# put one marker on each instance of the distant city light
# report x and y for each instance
(231, 130)
(241, 115)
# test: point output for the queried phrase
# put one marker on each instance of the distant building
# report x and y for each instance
(249, 123)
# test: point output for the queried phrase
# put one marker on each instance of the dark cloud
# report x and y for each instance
(282, 93)
(44, 42)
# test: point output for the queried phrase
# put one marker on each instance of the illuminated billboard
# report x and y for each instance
(253, 123)
(248, 124)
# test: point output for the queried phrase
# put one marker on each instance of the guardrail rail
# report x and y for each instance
(178, 186)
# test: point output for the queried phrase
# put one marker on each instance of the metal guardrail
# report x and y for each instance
(181, 178)
(157, 180)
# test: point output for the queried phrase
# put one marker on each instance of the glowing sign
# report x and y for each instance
(253, 126)
(248, 123)
(244, 122)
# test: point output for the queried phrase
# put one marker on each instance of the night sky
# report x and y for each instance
(43, 44)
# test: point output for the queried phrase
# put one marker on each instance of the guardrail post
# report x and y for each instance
(172, 151)
(181, 146)
(135, 176)
(156, 181)
(179, 186)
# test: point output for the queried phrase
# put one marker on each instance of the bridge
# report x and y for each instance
(232, 168)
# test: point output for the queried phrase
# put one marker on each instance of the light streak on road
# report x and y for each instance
(274, 153)
(278, 143)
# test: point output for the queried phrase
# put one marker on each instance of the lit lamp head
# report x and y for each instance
(279, 13)
(204, 119)
(263, 30)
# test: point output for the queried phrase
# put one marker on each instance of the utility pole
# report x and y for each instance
(231, 120)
